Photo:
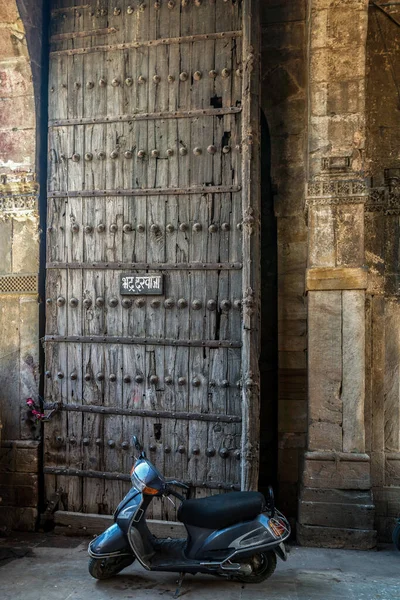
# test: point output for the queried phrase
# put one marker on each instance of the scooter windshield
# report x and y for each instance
(146, 475)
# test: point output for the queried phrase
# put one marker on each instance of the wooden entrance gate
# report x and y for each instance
(153, 169)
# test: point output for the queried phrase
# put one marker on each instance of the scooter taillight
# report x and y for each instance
(277, 526)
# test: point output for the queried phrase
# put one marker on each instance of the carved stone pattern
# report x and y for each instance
(335, 192)
(17, 204)
(385, 199)
(249, 219)
(248, 302)
(19, 284)
(337, 187)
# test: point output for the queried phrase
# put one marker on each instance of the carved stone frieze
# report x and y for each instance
(377, 201)
(333, 192)
(18, 204)
(385, 199)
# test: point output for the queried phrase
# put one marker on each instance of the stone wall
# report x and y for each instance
(382, 236)
(336, 507)
(284, 102)
(19, 266)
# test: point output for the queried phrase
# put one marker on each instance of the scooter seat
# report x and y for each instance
(223, 510)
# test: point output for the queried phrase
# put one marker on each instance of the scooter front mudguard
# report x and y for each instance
(114, 541)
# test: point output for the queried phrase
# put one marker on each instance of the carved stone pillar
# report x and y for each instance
(336, 508)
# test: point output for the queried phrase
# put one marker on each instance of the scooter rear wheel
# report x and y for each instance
(104, 568)
(263, 565)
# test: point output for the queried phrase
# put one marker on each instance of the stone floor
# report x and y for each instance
(46, 567)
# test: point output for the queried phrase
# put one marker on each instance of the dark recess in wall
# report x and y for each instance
(269, 321)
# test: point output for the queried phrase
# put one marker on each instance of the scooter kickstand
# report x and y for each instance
(179, 585)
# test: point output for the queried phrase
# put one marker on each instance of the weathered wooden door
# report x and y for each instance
(153, 168)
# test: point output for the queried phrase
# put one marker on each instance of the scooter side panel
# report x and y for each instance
(131, 495)
(196, 538)
(129, 508)
(236, 537)
(111, 542)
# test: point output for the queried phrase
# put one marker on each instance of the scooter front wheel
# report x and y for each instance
(104, 568)
(263, 566)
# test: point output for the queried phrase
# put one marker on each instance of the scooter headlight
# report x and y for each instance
(141, 486)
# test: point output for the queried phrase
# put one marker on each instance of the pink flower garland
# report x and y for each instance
(33, 409)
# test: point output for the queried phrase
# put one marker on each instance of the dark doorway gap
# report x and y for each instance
(268, 474)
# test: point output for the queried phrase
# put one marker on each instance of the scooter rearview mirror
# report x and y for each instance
(136, 443)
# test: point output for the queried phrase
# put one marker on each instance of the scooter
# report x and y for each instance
(237, 535)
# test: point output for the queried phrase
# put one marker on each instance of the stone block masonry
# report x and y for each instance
(336, 465)
(19, 266)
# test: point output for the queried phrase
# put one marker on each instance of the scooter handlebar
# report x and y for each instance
(180, 484)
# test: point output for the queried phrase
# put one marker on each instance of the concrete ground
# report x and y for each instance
(47, 567)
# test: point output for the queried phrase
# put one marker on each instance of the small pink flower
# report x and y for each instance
(30, 402)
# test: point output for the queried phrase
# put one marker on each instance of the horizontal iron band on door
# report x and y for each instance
(182, 114)
(204, 189)
(107, 339)
(59, 37)
(211, 485)
(153, 266)
(162, 414)
(201, 37)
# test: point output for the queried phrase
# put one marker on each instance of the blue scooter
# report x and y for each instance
(236, 535)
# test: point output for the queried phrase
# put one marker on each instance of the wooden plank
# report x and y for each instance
(92, 429)
(336, 278)
(74, 423)
(113, 425)
(73, 523)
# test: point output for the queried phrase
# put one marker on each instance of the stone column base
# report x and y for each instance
(336, 508)
(19, 491)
